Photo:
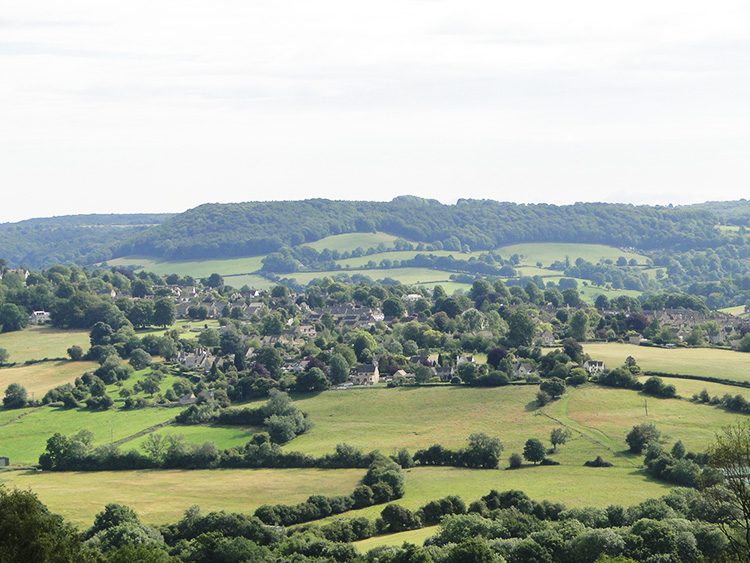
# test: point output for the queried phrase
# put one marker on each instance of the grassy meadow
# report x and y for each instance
(352, 241)
(41, 377)
(424, 276)
(160, 497)
(549, 252)
(706, 362)
(223, 436)
(195, 268)
(25, 438)
(384, 419)
(42, 341)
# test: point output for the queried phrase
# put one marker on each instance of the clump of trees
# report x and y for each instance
(280, 417)
(482, 451)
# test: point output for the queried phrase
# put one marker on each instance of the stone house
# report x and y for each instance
(593, 367)
(364, 374)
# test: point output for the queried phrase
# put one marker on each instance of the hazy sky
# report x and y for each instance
(163, 105)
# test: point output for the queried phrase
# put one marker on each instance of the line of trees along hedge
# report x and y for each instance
(171, 451)
(383, 482)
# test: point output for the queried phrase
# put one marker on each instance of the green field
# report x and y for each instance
(360, 261)
(549, 252)
(352, 241)
(738, 311)
(40, 378)
(574, 486)
(250, 280)
(413, 418)
(195, 268)
(608, 414)
(223, 436)
(706, 362)
(408, 276)
(385, 419)
(40, 342)
(163, 496)
(416, 537)
(687, 387)
(23, 440)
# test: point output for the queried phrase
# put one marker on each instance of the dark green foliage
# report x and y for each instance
(29, 533)
(483, 451)
(534, 450)
(655, 386)
(598, 462)
(641, 436)
(515, 461)
(15, 396)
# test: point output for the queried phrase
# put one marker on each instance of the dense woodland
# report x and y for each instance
(246, 229)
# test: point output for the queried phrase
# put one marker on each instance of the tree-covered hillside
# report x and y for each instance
(73, 238)
(213, 230)
(255, 228)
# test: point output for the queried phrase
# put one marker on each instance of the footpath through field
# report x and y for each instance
(560, 415)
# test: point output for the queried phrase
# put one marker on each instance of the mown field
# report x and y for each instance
(410, 276)
(195, 268)
(40, 342)
(40, 378)
(163, 496)
(549, 252)
(706, 362)
(352, 241)
(223, 436)
(385, 419)
(242, 271)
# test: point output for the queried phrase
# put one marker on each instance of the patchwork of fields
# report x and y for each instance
(243, 271)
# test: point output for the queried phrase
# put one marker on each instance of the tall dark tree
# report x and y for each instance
(164, 312)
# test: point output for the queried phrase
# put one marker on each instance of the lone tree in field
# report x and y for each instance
(534, 450)
(641, 436)
(559, 436)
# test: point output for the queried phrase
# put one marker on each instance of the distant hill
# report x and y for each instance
(242, 229)
(81, 239)
(256, 228)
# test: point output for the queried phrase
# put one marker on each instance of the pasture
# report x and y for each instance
(549, 252)
(223, 436)
(360, 261)
(40, 378)
(574, 486)
(195, 268)
(687, 387)
(160, 497)
(608, 415)
(352, 241)
(706, 362)
(43, 341)
(408, 276)
(384, 419)
(24, 439)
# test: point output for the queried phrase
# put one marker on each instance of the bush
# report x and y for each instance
(515, 461)
(598, 462)
(642, 435)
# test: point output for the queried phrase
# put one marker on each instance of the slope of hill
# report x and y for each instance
(243, 229)
(36, 243)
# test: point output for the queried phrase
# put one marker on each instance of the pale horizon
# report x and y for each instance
(160, 107)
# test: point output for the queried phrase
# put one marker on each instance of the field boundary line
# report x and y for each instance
(20, 416)
(588, 437)
(143, 432)
(706, 378)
